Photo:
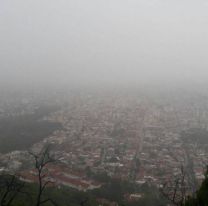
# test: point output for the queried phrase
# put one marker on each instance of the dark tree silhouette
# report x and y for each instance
(201, 196)
(42, 159)
(10, 188)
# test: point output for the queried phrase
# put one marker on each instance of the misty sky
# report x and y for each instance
(103, 41)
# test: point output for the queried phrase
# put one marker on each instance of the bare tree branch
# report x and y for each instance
(10, 187)
(175, 190)
(42, 159)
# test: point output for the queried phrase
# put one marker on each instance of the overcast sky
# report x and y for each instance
(103, 41)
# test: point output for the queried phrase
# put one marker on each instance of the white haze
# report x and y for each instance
(103, 42)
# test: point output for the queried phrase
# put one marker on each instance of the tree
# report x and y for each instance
(201, 196)
(10, 188)
(42, 159)
(175, 190)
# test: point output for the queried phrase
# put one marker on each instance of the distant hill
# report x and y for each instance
(21, 132)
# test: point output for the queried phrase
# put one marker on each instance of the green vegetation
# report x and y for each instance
(113, 191)
(116, 190)
(61, 197)
(201, 196)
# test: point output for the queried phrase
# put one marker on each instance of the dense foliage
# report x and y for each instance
(114, 191)
(61, 197)
(201, 196)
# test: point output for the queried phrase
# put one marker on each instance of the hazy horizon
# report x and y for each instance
(115, 43)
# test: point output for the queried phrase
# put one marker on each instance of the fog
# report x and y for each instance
(103, 42)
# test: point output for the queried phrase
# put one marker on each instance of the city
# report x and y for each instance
(124, 137)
